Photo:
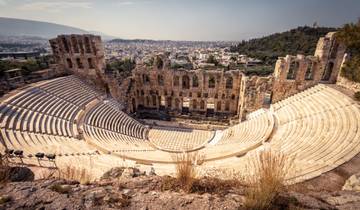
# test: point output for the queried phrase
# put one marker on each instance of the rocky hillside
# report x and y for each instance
(128, 188)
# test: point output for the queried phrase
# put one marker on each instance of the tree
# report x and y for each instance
(349, 35)
(212, 59)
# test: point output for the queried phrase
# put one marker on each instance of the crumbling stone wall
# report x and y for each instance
(196, 92)
(293, 74)
(82, 55)
(255, 93)
(205, 93)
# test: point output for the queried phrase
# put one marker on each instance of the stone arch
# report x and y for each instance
(87, 45)
(218, 106)
(66, 45)
(160, 80)
(195, 81)
(309, 71)
(212, 82)
(176, 81)
(229, 83)
(194, 104)
(75, 44)
(328, 71)
(147, 101)
(169, 102)
(159, 62)
(79, 63)
(90, 63)
(185, 82)
(227, 106)
(146, 79)
(154, 100)
(69, 63)
(202, 104)
(177, 103)
(293, 69)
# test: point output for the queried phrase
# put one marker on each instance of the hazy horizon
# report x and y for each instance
(196, 20)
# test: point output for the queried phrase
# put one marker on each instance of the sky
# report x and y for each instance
(206, 20)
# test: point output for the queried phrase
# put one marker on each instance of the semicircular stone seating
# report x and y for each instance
(42, 119)
(179, 139)
(319, 128)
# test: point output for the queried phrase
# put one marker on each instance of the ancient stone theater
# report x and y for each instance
(96, 119)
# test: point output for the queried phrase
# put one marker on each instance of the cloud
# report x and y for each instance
(131, 2)
(126, 3)
(54, 6)
(3, 2)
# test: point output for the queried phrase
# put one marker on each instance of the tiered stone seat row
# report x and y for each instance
(71, 89)
(109, 118)
(321, 131)
(179, 139)
(242, 137)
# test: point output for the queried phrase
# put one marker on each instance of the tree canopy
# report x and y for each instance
(350, 36)
(301, 40)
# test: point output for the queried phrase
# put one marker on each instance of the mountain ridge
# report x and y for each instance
(42, 29)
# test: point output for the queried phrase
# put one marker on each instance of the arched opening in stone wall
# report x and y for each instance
(153, 97)
(90, 62)
(309, 71)
(160, 80)
(147, 101)
(177, 103)
(146, 79)
(328, 71)
(79, 63)
(185, 82)
(69, 63)
(293, 69)
(176, 81)
(87, 45)
(159, 62)
(75, 44)
(227, 106)
(194, 104)
(202, 104)
(218, 106)
(168, 102)
(211, 82)
(195, 81)
(66, 45)
(229, 83)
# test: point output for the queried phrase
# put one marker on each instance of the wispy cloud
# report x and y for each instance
(131, 2)
(54, 6)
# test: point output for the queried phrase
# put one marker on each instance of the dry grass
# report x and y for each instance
(185, 169)
(72, 173)
(4, 170)
(268, 181)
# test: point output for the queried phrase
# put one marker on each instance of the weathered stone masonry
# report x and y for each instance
(205, 93)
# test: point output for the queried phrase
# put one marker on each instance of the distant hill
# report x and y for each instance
(20, 27)
(301, 40)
